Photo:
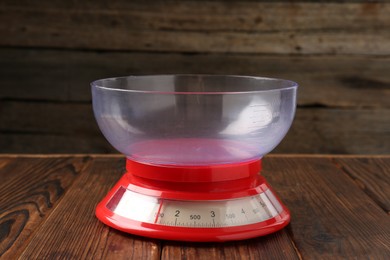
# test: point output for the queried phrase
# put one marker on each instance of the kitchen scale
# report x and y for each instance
(194, 145)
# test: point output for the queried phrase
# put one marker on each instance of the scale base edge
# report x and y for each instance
(190, 234)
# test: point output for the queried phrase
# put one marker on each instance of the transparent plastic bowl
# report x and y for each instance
(194, 119)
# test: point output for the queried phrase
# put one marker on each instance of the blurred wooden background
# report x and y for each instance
(338, 51)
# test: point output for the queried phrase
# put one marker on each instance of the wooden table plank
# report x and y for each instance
(31, 143)
(331, 216)
(338, 131)
(371, 175)
(327, 80)
(72, 230)
(209, 26)
(29, 190)
(333, 90)
(71, 127)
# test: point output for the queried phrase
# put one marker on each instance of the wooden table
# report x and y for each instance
(340, 209)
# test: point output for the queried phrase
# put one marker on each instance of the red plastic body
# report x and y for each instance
(184, 183)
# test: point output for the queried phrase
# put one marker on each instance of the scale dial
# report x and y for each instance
(195, 213)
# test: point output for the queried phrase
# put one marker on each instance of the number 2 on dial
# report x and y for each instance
(177, 213)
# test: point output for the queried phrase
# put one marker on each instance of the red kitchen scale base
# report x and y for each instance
(197, 203)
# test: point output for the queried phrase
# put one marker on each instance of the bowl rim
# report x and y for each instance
(97, 84)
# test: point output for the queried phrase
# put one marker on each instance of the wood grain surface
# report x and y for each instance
(372, 176)
(58, 113)
(64, 76)
(71, 127)
(29, 190)
(333, 214)
(72, 231)
(338, 52)
(210, 26)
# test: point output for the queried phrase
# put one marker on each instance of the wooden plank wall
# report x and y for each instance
(337, 51)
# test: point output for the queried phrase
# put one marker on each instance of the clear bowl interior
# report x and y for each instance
(194, 119)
